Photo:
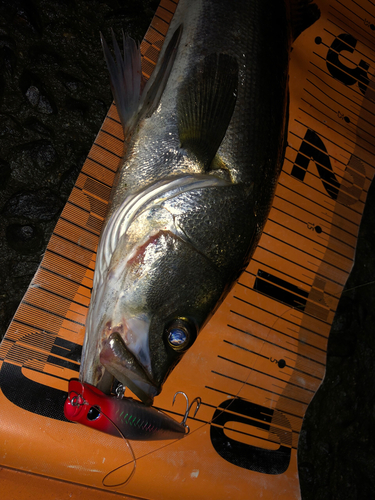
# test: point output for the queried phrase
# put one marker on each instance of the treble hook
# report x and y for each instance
(196, 400)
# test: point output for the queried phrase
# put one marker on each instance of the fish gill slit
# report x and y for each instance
(143, 200)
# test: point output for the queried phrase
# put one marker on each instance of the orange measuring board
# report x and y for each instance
(261, 358)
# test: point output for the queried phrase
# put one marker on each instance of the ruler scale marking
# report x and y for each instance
(288, 335)
(267, 341)
(338, 123)
(263, 373)
(272, 323)
(347, 247)
(348, 19)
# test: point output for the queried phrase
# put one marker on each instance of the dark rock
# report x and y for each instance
(23, 271)
(36, 125)
(45, 154)
(36, 94)
(77, 106)
(342, 342)
(7, 55)
(70, 82)
(4, 173)
(38, 205)
(44, 56)
(69, 177)
(308, 471)
(32, 163)
(10, 128)
(26, 16)
(25, 238)
(2, 86)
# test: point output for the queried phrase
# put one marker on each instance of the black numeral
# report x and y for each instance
(281, 290)
(346, 74)
(245, 455)
(275, 288)
(313, 148)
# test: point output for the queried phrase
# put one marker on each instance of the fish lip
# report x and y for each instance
(123, 365)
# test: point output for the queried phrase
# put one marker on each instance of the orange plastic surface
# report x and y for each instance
(260, 360)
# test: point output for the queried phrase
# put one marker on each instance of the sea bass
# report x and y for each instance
(207, 138)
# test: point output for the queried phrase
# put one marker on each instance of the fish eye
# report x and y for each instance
(180, 334)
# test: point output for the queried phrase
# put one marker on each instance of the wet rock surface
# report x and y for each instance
(54, 95)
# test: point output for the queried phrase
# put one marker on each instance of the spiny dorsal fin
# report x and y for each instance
(206, 103)
(125, 76)
(304, 13)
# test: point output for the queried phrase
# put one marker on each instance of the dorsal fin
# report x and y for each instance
(304, 13)
(206, 103)
(125, 76)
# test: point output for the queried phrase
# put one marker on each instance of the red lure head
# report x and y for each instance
(89, 406)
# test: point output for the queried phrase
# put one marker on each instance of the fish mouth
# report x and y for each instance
(123, 365)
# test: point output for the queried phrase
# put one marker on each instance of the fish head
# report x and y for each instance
(147, 312)
(166, 258)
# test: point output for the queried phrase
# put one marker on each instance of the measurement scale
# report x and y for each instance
(261, 358)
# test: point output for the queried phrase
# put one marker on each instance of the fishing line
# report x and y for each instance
(134, 459)
(355, 287)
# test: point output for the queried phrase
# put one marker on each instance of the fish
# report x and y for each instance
(206, 142)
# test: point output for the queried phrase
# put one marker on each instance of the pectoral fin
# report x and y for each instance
(205, 106)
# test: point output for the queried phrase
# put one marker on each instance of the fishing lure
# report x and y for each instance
(124, 417)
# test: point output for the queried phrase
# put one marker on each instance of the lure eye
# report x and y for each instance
(180, 334)
(93, 413)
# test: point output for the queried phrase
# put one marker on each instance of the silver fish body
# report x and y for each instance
(195, 187)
